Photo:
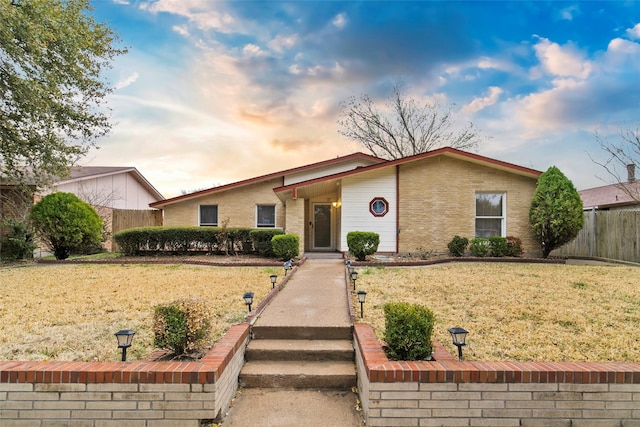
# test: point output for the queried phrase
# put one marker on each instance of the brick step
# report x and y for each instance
(298, 374)
(308, 350)
(301, 332)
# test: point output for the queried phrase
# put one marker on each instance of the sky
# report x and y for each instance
(213, 92)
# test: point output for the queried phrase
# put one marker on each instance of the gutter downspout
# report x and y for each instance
(397, 208)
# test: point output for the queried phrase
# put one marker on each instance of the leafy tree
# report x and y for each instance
(623, 153)
(52, 55)
(404, 127)
(556, 211)
(66, 223)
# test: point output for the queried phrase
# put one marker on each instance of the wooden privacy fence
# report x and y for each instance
(607, 234)
(122, 219)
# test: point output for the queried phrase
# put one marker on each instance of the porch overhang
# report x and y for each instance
(307, 189)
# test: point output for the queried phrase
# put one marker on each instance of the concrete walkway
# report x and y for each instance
(314, 297)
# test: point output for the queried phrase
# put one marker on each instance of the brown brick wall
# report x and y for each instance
(144, 393)
(437, 199)
(446, 392)
(237, 204)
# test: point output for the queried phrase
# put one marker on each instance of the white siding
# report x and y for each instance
(324, 171)
(357, 193)
(119, 191)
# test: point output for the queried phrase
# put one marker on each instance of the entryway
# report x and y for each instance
(322, 227)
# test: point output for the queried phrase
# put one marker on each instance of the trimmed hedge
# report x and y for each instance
(362, 243)
(262, 240)
(181, 326)
(182, 240)
(458, 245)
(408, 330)
(286, 246)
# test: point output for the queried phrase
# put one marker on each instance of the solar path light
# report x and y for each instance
(288, 265)
(248, 299)
(362, 295)
(459, 336)
(274, 278)
(124, 337)
(354, 277)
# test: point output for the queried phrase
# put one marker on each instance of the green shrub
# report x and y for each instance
(408, 330)
(286, 246)
(479, 247)
(66, 223)
(458, 245)
(556, 211)
(514, 246)
(181, 326)
(362, 243)
(262, 240)
(17, 242)
(498, 246)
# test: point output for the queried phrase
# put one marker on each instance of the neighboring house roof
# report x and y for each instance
(80, 173)
(274, 175)
(611, 196)
(446, 151)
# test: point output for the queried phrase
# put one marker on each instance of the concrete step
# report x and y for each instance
(301, 332)
(298, 374)
(307, 350)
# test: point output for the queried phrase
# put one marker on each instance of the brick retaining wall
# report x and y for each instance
(447, 392)
(106, 394)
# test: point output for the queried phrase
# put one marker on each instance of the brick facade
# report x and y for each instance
(236, 205)
(437, 202)
(447, 392)
(106, 394)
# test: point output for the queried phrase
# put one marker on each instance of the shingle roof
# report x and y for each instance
(612, 195)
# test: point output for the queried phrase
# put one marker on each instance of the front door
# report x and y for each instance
(322, 226)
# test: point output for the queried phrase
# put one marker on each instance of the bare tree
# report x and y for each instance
(405, 128)
(623, 156)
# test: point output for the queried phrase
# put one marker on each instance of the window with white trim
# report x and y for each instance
(208, 215)
(266, 216)
(491, 211)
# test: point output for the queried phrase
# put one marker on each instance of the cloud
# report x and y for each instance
(205, 14)
(583, 92)
(181, 29)
(564, 61)
(340, 21)
(634, 33)
(281, 43)
(479, 103)
(569, 12)
(127, 81)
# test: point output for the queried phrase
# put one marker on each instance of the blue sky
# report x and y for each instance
(213, 92)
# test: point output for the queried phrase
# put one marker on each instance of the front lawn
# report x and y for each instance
(70, 312)
(518, 312)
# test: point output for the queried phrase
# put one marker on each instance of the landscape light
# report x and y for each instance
(124, 337)
(459, 337)
(362, 295)
(274, 278)
(287, 266)
(248, 299)
(354, 277)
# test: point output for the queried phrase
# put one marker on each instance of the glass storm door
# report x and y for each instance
(322, 226)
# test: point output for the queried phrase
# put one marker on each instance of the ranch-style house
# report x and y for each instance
(415, 204)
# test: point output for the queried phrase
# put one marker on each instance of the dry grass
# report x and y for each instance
(520, 312)
(71, 312)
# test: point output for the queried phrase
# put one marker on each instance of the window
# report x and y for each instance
(266, 216)
(378, 206)
(490, 214)
(208, 215)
